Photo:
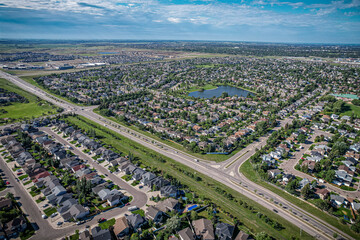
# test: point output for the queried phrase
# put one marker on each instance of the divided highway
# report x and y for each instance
(231, 178)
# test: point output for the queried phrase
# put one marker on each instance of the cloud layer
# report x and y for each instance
(260, 20)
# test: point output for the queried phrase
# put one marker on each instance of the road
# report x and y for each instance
(306, 221)
(34, 214)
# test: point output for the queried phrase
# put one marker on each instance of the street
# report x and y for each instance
(306, 221)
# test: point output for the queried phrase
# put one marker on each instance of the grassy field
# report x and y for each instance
(21, 111)
(205, 188)
(352, 109)
(210, 157)
(249, 173)
(198, 88)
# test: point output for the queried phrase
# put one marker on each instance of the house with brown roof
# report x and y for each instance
(169, 204)
(121, 227)
(204, 229)
(323, 193)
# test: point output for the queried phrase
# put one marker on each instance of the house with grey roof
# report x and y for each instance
(136, 221)
(224, 231)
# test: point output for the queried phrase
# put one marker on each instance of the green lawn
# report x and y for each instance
(107, 224)
(352, 109)
(23, 176)
(206, 187)
(198, 88)
(50, 211)
(249, 173)
(140, 212)
(21, 111)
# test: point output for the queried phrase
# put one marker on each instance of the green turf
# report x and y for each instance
(352, 109)
(247, 170)
(205, 188)
(198, 88)
(21, 111)
(49, 211)
(107, 224)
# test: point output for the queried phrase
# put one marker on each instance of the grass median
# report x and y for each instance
(247, 170)
(202, 185)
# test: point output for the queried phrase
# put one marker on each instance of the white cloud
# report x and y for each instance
(174, 20)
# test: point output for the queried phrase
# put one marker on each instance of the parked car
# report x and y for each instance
(59, 223)
(54, 215)
(101, 220)
(44, 216)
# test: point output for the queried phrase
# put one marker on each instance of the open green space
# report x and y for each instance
(17, 111)
(351, 108)
(247, 170)
(205, 187)
(200, 88)
(107, 224)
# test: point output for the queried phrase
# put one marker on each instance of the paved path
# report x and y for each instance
(305, 221)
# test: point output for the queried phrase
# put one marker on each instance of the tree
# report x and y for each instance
(330, 176)
(338, 107)
(135, 236)
(173, 224)
(306, 191)
(356, 102)
(10, 195)
(194, 215)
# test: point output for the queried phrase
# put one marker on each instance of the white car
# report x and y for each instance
(44, 216)
(54, 215)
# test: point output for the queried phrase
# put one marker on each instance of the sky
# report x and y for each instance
(294, 21)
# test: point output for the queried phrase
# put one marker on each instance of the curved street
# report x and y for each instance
(304, 220)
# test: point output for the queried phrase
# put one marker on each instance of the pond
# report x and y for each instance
(231, 91)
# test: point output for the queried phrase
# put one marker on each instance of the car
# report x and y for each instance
(54, 215)
(78, 223)
(87, 226)
(7, 182)
(19, 173)
(101, 220)
(59, 223)
(45, 205)
(196, 160)
(275, 210)
(127, 204)
(44, 216)
(25, 179)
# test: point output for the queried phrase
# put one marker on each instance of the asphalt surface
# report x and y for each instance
(304, 220)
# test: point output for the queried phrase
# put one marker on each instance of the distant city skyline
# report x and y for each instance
(258, 21)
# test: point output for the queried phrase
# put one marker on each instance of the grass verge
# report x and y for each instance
(247, 170)
(204, 186)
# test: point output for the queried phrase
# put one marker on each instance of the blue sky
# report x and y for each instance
(259, 20)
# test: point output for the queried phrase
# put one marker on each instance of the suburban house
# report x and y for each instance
(121, 227)
(204, 229)
(224, 231)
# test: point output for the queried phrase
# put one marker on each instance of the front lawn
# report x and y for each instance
(140, 212)
(23, 176)
(107, 224)
(49, 211)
